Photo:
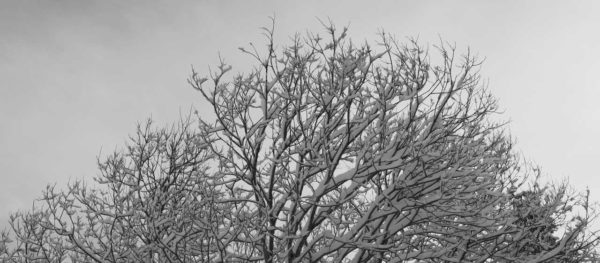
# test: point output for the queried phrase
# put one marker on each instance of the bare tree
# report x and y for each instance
(346, 153)
(153, 202)
(325, 152)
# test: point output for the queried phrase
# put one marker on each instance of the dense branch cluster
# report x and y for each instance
(325, 152)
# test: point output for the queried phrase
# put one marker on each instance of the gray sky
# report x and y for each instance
(76, 76)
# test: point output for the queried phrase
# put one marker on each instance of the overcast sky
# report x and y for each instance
(76, 76)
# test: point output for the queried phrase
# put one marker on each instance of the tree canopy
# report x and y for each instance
(326, 151)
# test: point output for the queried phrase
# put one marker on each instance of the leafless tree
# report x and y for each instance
(325, 152)
(154, 201)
